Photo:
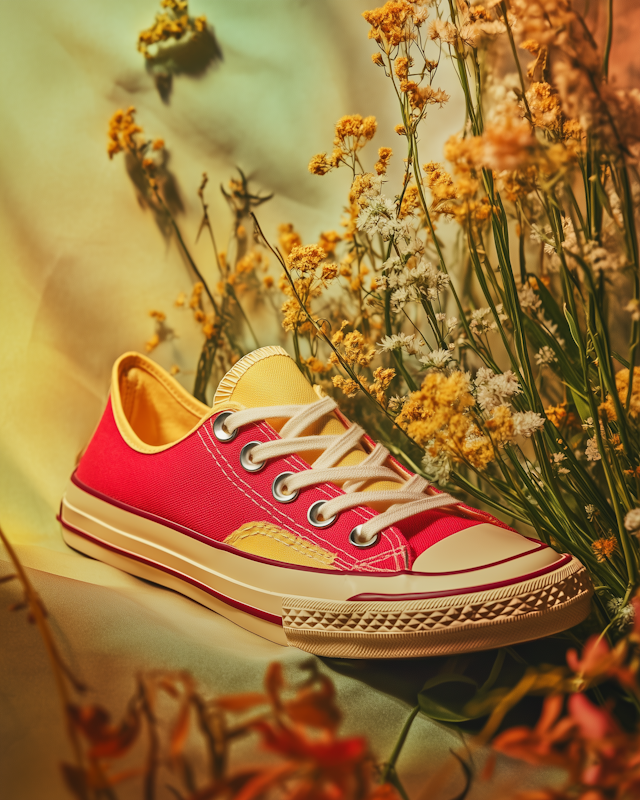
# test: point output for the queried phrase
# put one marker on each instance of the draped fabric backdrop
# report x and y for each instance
(83, 264)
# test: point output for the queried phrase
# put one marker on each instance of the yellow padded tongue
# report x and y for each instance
(266, 377)
(270, 377)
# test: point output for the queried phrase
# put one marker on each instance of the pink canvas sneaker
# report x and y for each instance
(274, 511)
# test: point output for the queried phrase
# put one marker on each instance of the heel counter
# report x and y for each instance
(98, 455)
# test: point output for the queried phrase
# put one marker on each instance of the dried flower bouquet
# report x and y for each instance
(508, 361)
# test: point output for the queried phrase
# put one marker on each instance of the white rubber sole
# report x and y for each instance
(312, 610)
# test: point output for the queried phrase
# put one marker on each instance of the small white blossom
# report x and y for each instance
(602, 260)
(526, 423)
(624, 614)
(495, 390)
(633, 307)
(451, 323)
(420, 15)
(588, 423)
(379, 216)
(424, 280)
(400, 341)
(541, 235)
(558, 458)
(479, 324)
(545, 356)
(436, 358)
(591, 512)
(632, 520)
(436, 468)
(528, 298)
(591, 451)
(396, 403)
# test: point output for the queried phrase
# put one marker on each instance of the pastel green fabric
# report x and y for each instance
(82, 264)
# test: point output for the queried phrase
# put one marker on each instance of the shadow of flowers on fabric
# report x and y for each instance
(138, 172)
(192, 56)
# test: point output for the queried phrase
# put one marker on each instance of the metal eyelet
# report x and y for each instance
(355, 541)
(245, 458)
(220, 432)
(312, 515)
(276, 489)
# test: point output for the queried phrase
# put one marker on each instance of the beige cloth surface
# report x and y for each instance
(81, 266)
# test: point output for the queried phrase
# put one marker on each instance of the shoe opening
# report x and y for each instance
(159, 411)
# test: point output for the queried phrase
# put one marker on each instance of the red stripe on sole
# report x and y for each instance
(254, 612)
(486, 587)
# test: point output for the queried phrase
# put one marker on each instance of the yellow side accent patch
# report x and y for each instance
(269, 541)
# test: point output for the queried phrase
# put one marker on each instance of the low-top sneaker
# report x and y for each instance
(272, 509)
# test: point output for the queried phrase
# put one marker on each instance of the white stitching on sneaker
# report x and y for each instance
(259, 500)
(397, 551)
(406, 501)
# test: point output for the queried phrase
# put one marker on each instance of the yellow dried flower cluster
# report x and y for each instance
(390, 25)
(384, 156)
(174, 23)
(622, 386)
(306, 258)
(352, 132)
(420, 96)
(500, 424)
(206, 321)
(288, 238)
(437, 418)
(604, 548)
(122, 132)
(545, 106)
(328, 241)
(382, 380)
(312, 276)
(410, 201)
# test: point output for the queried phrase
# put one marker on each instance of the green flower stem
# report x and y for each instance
(390, 765)
(397, 355)
(609, 39)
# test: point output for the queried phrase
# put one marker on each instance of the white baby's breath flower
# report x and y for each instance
(588, 423)
(632, 520)
(558, 457)
(436, 468)
(451, 323)
(601, 260)
(495, 390)
(526, 423)
(624, 614)
(545, 356)
(528, 298)
(591, 512)
(479, 324)
(396, 403)
(541, 235)
(422, 281)
(436, 358)
(591, 451)
(633, 307)
(379, 216)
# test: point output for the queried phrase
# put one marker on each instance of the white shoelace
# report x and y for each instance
(407, 500)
